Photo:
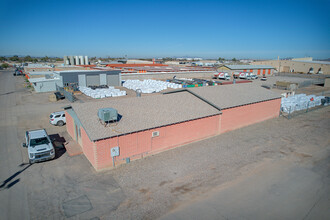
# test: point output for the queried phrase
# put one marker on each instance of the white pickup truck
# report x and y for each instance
(39, 145)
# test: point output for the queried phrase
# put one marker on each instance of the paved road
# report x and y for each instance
(277, 190)
(13, 196)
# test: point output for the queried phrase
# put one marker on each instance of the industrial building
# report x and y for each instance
(48, 81)
(256, 69)
(151, 124)
(298, 66)
(90, 77)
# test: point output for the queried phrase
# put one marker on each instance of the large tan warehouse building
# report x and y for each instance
(298, 66)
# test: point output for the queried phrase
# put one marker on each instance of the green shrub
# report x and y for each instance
(5, 65)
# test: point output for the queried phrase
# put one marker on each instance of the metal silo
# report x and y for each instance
(77, 60)
(65, 60)
(86, 60)
(82, 61)
(71, 60)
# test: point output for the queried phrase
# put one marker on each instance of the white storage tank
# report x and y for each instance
(77, 60)
(86, 60)
(82, 61)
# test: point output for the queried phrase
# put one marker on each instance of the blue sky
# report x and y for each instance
(208, 29)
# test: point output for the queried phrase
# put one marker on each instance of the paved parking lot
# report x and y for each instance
(68, 187)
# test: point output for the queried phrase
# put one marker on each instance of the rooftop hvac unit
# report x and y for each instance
(107, 115)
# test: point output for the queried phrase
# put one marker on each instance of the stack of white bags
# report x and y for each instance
(102, 93)
(149, 85)
(300, 102)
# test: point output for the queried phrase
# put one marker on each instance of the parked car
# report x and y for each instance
(59, 96)
(264, 78)
(18, 73)
(253, 76)
(57, 118)
(39, 145)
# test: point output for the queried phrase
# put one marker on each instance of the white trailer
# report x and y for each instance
(224, 76)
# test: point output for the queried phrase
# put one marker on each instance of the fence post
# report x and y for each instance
(289, 115)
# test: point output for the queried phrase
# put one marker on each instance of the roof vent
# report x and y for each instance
(107, 115)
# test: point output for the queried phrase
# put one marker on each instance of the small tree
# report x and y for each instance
(35, 60)
(234, 60)
(3, 59)
(44, 59)
(221, 59)
(5, 65)
(28, 59)
(14, 58)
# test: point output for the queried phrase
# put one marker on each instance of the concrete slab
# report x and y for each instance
(73, 148)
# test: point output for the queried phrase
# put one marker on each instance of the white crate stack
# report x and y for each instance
(149, 85)
(300, 102)
(102, 93)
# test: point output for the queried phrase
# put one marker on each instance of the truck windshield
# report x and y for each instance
(38, 141)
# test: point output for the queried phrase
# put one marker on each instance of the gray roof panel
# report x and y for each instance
(142, 113)
(228, 96)
(243, 67)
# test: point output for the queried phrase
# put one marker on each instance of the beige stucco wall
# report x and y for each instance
(327, 83)
(295, 66)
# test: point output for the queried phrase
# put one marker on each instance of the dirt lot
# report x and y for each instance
(68, 187)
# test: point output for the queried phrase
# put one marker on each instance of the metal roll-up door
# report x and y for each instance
(82, 80)
(93, 80)
(113, 80)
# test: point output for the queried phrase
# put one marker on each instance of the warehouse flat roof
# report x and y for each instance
(42, 79)
(142, 113)
(228, 96)
(242, 67)
(313, 62)
(73, 71)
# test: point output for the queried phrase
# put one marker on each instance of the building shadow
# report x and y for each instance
(58, 143)
(119, 117)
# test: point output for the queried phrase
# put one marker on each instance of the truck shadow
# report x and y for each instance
(58, 143)
(6, 184)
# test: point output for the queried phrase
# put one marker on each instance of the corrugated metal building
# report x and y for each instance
(90, 77)
(152, 124)
(44, 84)
(256, 69)
(47, 81)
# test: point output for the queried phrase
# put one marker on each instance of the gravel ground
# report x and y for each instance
(151, 187)
(158, 184)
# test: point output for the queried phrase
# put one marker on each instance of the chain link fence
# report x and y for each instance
(68, 95)
(326, 103)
